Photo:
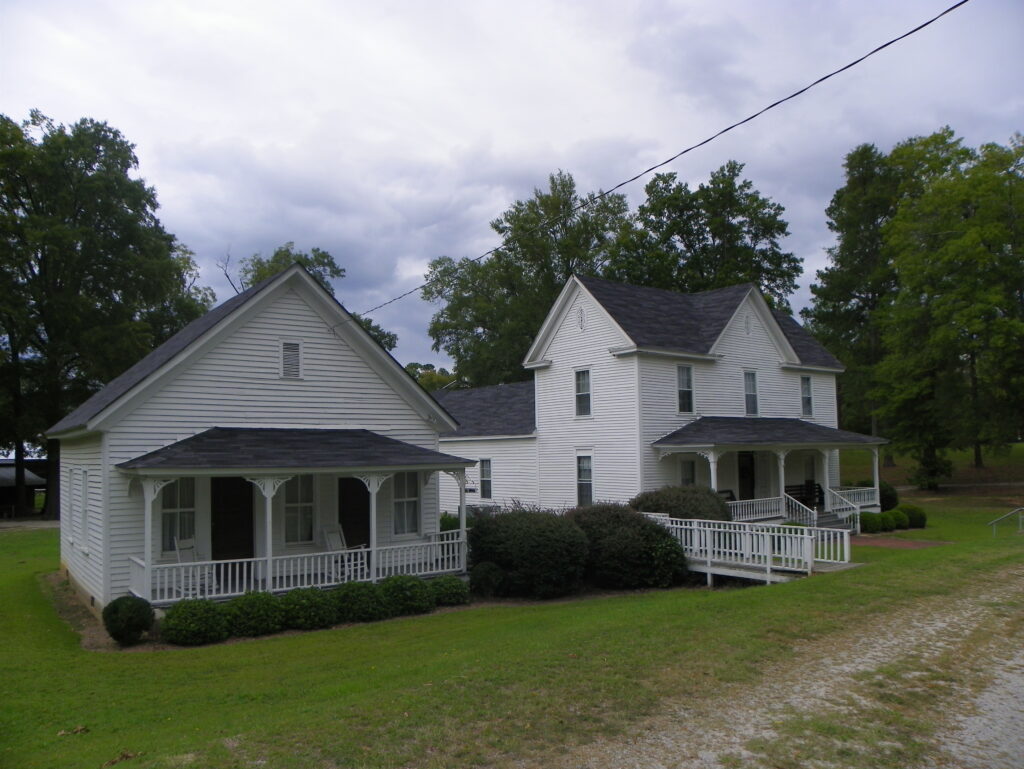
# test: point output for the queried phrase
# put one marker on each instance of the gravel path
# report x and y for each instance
(715, 734)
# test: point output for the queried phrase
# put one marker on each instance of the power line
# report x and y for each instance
(552, 220)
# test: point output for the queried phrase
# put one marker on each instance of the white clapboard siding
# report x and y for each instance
(238, 383)
(513, 471)
(82, 514)
(611, 434)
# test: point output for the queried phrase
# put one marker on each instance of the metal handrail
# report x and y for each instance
(1020, 520)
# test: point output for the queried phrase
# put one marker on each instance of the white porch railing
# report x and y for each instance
(171, 582)
(840, 505)
(861, 496)
(831, 545)
(756, 509)
(799, 512)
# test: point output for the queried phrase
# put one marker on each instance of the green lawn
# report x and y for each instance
(1007, 466)
(462, 688)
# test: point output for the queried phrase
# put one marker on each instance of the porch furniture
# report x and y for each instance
(196, 581)
(342, 567)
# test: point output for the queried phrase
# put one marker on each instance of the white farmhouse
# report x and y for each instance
(638, 388)
(271, 444)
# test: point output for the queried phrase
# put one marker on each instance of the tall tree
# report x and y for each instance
(492, 309)
(318, 263)
(89, 279)
(722, 233)
(429, 377)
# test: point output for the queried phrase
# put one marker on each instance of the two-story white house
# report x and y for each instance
(271, 444)
(637, 388)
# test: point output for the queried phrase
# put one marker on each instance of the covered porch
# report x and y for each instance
(232, 510)
(774, 469)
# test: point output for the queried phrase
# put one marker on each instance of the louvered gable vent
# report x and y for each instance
(291, 360)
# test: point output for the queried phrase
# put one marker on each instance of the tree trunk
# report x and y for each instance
(976, 409)
(20, 505)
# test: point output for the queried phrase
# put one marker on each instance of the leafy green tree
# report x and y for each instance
(722, 233)
(89, 279)
(429, 377)
(492, 309)
(318, 263)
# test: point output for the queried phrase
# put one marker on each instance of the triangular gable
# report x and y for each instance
(755, 303)
(108, 405)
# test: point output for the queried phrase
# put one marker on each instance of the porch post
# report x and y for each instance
(373, 482)
(712, 457)
(825, 480)
(268, 488)
(780, 454)
(150, 490)
(874, 475)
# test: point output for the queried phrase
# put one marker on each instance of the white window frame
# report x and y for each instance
(299, 508)
(806, 396)
(582, 482)
(83, 499)
(748, 377)
(301, 355)
(406, 508)
(688, 472)
(486, 487)
(680, 390)
(581, 393)
(178, 512)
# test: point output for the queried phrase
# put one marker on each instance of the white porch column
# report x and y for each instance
(825, 480)
(268, 488)
(874, 475)
(460, 479)
(780, 455)
(150, 491)
(712, 457)
(373, 482)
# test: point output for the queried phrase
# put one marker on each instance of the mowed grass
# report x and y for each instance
(464, 688)
(1000, 467)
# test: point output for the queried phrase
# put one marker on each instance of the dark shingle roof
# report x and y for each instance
(242, 448)
(708, 431)
(120, 385)
(506, 409)
(655, 317)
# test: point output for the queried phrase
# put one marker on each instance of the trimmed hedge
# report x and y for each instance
(485, 579)
(542, 555)
(627, 550)
(255, 614)
(449, 590)
(193, 622)
(870, 523)
(888, 497)
(308, 608)
(899, 518)
(888, 523)
(127, 618)
(683, 502)
(404, 594)
(358, 602)
(917, 518)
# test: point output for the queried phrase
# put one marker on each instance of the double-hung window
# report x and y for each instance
(806, 399)
(298, 509)
(750, 392)
(684, 378)
(584, 481)
(407, 503)
(688, 472)
(583, 393)
(178, 517)
(485, 479)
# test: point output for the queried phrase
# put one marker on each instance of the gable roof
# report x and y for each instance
(136, 375)
(692, 323)
(505, 409)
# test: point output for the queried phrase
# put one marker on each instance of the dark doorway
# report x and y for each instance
(230, 519)
(354, 511)
(745, 471)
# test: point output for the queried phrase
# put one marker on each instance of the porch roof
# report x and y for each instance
(761, 431)
(259, 449)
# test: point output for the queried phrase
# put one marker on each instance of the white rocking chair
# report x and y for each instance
(198, 581)
(334, 539)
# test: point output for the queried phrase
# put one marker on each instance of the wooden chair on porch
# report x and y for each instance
(334, 539)
(195, 582)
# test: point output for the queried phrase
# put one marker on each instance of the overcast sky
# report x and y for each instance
(389, 133)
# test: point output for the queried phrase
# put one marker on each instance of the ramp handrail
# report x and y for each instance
(1020, 520)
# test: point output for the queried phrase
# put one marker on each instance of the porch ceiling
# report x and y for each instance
(709, 432)
(254, 449)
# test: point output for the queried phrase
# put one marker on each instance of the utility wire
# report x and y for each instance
(590, 200)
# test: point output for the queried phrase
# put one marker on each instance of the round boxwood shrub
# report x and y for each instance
(254, 614)
(683, 502)
(627, 550)
(194, 621)
(358, 602)
(449, 590)
(127, 618)
(916, 516)
(870, 523)
(485, 579)
(308, 608)
(888, 523)
(899, 518)
(543, 555)
(405, 594)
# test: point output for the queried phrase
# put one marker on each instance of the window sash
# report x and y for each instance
(584, 481)
(688, 472)
(485, 479)
(298, 509)
(406, 503)
(750, 391)
(583, 393)
(806, 397)
(178, 513)
(684, 377)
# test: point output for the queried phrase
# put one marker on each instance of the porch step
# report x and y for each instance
(833, 521)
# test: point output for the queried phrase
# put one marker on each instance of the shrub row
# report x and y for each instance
(901, 517)
(683, 502)
(198, 621)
